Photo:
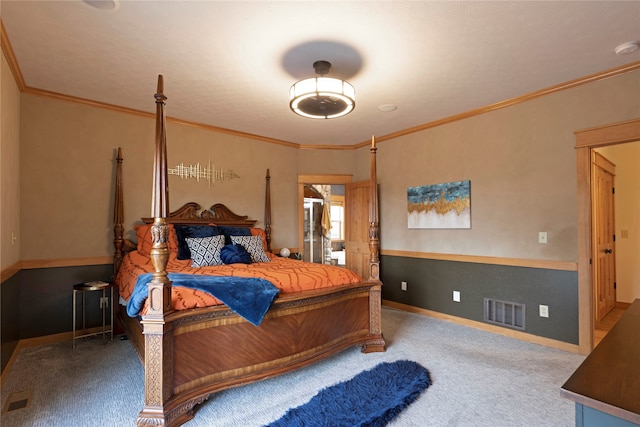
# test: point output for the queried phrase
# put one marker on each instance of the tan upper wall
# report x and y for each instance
(521, 163)
(10, 169)
(68, 157)
(520, 160)
(327, 162)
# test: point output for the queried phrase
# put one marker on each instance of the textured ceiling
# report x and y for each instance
(231, 64)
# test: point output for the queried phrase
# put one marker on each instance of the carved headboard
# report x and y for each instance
(190, 213)
(218, 214)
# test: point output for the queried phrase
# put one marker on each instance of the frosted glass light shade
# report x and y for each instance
(322, 97)
(285, 252)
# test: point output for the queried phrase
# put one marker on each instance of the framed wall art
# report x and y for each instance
(446, 205)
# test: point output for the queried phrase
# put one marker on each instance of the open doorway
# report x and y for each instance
(587, 141)
(616, 275)
(321, 228)
(324, 224)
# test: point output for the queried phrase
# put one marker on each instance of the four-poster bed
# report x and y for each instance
(189, 353)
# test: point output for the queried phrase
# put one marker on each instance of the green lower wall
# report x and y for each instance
(10, 317)
(430, 285)
(38, 302)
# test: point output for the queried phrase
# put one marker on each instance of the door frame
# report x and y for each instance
(333, 179)
(586, 140)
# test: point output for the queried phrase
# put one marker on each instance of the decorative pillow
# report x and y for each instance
(229, 231)
(205, 250)
(253, 245)
(193, 231)
(260, 232)
(235, 254)
(145, 242)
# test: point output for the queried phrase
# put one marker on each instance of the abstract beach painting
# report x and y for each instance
(445, 205)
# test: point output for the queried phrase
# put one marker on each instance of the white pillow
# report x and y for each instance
(253, 245)
(205, 250)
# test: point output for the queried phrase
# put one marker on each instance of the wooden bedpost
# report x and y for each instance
(376, 341)
(160, 286)
(374, 240)
(158, 361)
(267, 211)
(118, 218)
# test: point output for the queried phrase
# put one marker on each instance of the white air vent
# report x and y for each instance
(509, 314)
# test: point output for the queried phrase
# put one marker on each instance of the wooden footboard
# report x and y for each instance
(189, 354)
(298, 330)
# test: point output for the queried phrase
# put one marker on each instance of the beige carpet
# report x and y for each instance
(479, 379)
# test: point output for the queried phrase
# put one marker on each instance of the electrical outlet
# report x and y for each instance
(542, 237)
(544, 310)
(456, 296)
(403, 286)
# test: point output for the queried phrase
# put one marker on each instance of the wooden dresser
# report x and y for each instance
(606, 386)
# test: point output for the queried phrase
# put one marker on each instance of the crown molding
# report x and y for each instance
(7, 50)
(15, 69)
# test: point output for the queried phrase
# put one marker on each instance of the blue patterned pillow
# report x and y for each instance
(205, 250)
(184, 231)
(253, 245)
(235, 254)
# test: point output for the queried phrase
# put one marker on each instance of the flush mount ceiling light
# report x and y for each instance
(103, 4)
(322, 97)
(628, 47)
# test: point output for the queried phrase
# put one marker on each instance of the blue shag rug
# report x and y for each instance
(371, 398)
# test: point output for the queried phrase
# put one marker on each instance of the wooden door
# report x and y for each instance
(604, 235)
(357, 227)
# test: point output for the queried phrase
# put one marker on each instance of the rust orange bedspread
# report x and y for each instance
(288, 275)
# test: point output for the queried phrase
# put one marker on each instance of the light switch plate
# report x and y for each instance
(544, 310)
(542, 237)
(456, 296)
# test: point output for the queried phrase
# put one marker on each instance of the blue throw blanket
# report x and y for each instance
(249, 297)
